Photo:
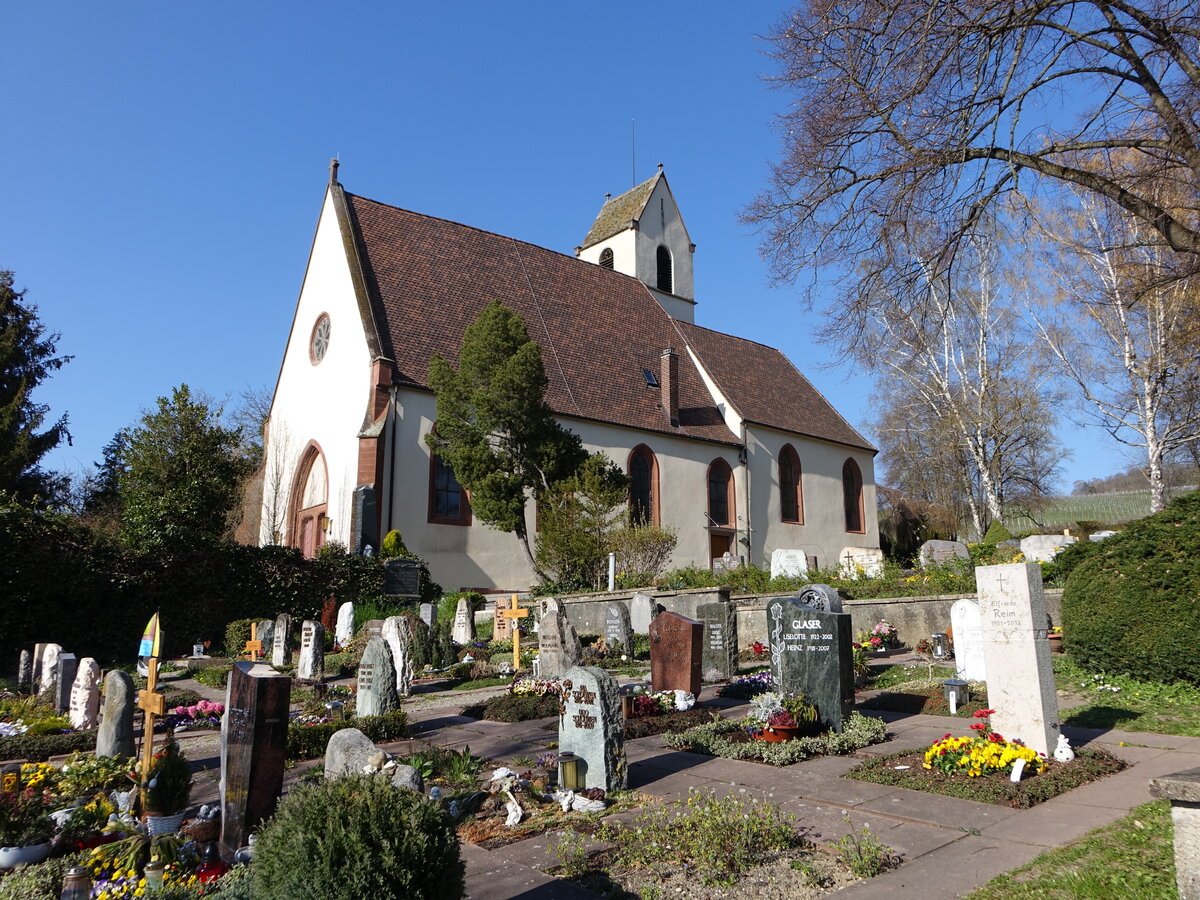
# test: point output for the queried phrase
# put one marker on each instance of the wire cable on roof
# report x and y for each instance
(545, 328)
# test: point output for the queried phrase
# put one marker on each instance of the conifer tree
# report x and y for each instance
(494, 427)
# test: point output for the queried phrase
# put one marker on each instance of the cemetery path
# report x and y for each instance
(949, 846)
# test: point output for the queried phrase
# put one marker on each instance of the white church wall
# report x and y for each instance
(823, 533)
(325, 402)
(661, 223)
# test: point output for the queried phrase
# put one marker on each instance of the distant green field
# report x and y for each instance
(1116, 508)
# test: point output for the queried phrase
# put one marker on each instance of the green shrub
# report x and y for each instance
(1130, 607)
(237, 633)
(393, 545)
(41, 882)
(357, 837)
(996, 533)
(213, 676)
(309, 741)
(515, 708)
(40, 747)
(1059, 569)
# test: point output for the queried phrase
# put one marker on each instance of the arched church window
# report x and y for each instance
(643, 486)
(666, 281)
(448, 501)
(852, 496)
(310, 502)
(720, 494)
(606, 258)
(791, 495)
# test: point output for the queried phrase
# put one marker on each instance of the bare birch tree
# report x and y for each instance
(1124, 333)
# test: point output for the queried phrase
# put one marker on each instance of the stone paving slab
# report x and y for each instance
(1054, 824)
(936, 809)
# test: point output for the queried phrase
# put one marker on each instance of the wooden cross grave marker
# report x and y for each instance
(254, 646)
(515, 614)
(152, 704)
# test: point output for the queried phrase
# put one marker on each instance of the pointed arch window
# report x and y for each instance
(643, 486)
(852, 496)
(791, 493)
(606, 258)
(666, 281)
(310, 502)
(449, 503)
(720, 494)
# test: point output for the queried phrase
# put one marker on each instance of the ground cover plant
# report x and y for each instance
(1132, 857)
(677, 721)
(918, 698)
(1119, 701)
(732, 739)
(527, 699)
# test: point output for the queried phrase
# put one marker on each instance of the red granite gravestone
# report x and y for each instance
(253, 749)
(676, 643)
(501, 627)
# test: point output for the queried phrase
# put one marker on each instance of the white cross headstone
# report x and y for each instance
(967, 624)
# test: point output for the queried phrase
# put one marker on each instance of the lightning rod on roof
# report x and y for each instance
(333, 169)
(633, 152)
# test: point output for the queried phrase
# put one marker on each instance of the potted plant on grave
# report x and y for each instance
(1055, 636)
(166, 789)
(783, 718)
(82, 830)
(25, 826)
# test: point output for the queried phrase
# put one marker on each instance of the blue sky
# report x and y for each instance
(165, 164)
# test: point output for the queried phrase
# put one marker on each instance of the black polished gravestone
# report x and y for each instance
(253, 749)
(402, 578)
(812, 654)
(718, 658)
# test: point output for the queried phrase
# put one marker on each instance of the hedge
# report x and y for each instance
(310, 741)
(40, 747)
(1133, 606)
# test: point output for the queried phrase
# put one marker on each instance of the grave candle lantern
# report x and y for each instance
(154, 872)
(335, 710)
(77, 885)
(568, 772)
(958, 693)
(941, 645)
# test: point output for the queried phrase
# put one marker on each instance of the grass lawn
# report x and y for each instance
(1132, 857)
(1114, 701)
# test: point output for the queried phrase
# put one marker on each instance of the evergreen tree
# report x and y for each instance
(27, 357)
(578, 520)
(494, 427)
(182, 475)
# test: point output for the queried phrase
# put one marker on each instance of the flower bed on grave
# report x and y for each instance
(929, 700)
(980, 767)
(308, 740)
(527, 699)
(735, 739)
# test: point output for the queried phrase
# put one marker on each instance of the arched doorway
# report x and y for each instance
(310, 499)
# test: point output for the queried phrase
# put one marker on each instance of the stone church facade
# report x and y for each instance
(726, 442)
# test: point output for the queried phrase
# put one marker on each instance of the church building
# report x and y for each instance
(725, 441)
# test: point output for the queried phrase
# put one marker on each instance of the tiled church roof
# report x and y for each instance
(429, 278)
(617, 212)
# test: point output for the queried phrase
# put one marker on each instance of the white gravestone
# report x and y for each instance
(281, 644)
(85, 695)
(1044, 547)
(50, 655)
(641, 611)
(789, 563)
(398, 635)
(311, 666)
(464, 623)
(1097, 536)
(861, 562)
(967, 624)
(1017, 654)
(344, 629)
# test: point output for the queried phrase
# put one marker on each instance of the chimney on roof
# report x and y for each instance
(668, 380)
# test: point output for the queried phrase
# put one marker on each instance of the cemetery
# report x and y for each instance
(528, 747)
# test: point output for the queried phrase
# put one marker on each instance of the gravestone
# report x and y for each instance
(115, 737)
(398, 635)
(350, 752)
(861, 562)
(1044, 547)
(266, 634)
(501, 627)
(618, 631)
(558, 642)
(373, 628)
(376, 680)
(727, 562)
(1017, 655)
(281, 645)
(641, 611)
(718, 658)
(464, 623)
(967, 623)
(789, 563)
(64, 679)
(311, 666)
(25, 671)
(253, 749)
(591, 726)
(812, 654)
(35, 678)
(1097, 536)
(344, 630)
(939, 553)
(676, 645)
(402, 578)
(49, 669)
(428, 614)
(85, 696)
(820, 596)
